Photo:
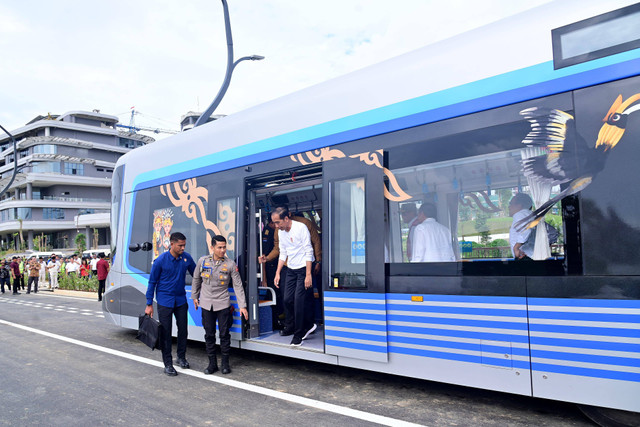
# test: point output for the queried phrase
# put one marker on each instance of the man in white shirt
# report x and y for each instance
(431, 240)
(43, 271)
(408, 213)
(94, 265)
(296, 249)
(519, 208)
(73, 265)
(54, 267)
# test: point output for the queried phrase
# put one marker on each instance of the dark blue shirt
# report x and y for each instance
(167, 279)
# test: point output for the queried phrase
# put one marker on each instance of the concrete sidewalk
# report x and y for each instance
(68, 293)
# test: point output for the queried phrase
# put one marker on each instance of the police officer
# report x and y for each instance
(210, 290)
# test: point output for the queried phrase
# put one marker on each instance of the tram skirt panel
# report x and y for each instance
(586, 351)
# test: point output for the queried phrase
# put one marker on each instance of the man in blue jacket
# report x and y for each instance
(166, 281)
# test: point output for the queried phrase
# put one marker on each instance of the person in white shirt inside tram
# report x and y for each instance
(431, 240)
(294, 242)
(409, 215)
(519, 208)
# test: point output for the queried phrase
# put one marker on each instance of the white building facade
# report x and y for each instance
(63, 184)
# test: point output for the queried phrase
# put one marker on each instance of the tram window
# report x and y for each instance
(459, 209)
(609, 207)
(348, 245)
(226, 221)
(155, 218)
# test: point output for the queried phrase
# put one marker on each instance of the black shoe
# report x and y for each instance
(183, 363)
(211, 369)
(170, 370)
(286, 332)
(16, 293)
(28, 293)
(296, 342)
(225, 365)
(310, 331)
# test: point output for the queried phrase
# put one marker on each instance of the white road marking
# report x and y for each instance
(86, 314)
(69, 297)
(329, 407)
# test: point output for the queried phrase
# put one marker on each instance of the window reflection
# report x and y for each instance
(459, 211)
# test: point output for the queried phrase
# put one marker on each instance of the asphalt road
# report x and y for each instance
(107, 377)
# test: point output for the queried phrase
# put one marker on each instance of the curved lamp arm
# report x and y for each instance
(230, 66)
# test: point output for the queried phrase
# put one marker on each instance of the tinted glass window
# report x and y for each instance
(187, 207)
(609, 207)
(472, 195)
(348, 233)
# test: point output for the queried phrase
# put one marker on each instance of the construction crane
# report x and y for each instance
(133, 128)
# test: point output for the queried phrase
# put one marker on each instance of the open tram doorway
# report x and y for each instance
(301, 192)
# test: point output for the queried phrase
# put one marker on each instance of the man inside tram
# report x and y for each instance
(298, 307)
(269, 271)
(519, 208)
(431, 240)
(409, 215)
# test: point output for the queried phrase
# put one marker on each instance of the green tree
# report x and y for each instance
(81, 242)
(482, 227)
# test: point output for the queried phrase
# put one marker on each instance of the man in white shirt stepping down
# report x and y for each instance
(295, 249)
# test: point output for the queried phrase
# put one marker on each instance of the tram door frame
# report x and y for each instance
(254, 236)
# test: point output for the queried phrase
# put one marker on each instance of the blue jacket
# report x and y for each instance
(167, 279)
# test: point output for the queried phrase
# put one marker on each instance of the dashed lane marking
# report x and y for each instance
(329, 407)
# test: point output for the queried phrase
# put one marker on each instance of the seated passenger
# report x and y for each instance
(519, 208)
(431, 240)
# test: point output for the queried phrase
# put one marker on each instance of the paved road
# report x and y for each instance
(107, 377)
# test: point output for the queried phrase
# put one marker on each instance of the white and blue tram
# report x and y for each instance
(463, 125)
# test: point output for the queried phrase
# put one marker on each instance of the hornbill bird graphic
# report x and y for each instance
(575, 164)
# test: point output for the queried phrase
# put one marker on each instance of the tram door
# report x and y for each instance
(354, 289)
(303, 198)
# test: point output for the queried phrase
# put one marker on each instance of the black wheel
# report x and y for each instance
(606, 417)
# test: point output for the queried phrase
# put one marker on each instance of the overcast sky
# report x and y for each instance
(168, 57)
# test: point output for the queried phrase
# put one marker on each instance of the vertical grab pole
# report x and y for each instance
(260, 225)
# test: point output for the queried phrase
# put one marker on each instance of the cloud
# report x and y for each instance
(167, 57)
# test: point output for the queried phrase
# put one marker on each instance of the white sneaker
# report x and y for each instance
(310, 331)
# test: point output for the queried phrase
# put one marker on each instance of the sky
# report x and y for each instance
(165, 58)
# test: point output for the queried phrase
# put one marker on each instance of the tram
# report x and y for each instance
(542, 103)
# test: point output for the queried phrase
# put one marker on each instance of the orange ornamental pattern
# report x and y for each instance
(191, 199)
(370, 158)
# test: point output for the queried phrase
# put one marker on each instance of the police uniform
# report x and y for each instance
(210, 286)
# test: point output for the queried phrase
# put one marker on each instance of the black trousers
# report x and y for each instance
(16, 284)
(33, 280)
(298, 303)
(164, 315)
(224, 319)
(22, 280)
(5, 281)
(101, 284)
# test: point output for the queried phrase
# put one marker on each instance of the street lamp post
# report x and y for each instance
(230, 67)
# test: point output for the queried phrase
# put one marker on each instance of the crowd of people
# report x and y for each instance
(35, 271)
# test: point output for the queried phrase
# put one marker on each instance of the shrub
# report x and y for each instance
(77, 283)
